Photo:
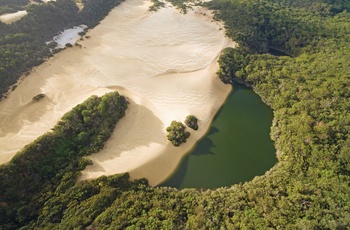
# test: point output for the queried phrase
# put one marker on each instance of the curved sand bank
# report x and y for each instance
(164, 62)
(12, 17)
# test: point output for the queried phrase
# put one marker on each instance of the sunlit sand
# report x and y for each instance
(12, 17)
(164, 62)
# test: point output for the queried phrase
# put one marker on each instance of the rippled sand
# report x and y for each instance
(164, 62)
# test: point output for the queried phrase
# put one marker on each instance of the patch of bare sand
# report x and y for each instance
(164, 62)
(12, 17)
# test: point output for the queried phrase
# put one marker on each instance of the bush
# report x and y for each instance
(232, 63)
(38, 97)
(176, 133)
(191, 121)
(82, 33)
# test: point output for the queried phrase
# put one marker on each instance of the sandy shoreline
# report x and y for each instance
(163, 62)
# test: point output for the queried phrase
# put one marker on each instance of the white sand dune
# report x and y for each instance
(12, 17)
(164, 62)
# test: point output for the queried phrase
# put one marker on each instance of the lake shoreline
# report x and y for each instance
(236, 149)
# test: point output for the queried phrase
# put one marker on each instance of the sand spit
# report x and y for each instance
(164, 62)
(12, 17)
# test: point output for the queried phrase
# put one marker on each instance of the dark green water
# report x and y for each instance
(236, 149)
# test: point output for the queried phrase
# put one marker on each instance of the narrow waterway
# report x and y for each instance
(236, 149)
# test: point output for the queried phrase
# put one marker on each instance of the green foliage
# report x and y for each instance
(176, 133)
(309, 97)
(192, 122)
(182, 5)
(12, 6)
(95, 10)
(45, 165)
(38, 97)
(287, 25)
(18, 52)
(156, 5)
(13, 2)
(22, 44)
(307, 189)
(82, 33)
(231, 65)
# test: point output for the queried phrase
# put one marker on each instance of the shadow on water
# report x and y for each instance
(202, 148)
(206, 144)
(177, 179)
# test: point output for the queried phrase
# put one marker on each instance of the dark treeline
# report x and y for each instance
(286, 25)
(12, 6)
(22, 43)
(309, 93)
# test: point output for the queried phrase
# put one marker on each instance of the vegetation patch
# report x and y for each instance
(177, 133)
(309, 94)
(192, 122)
(38, 97)
(156, 5)
(182, 5)
(12, 6)
(23, 42)
(30, 181)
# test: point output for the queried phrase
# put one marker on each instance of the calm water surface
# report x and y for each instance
(236, 149)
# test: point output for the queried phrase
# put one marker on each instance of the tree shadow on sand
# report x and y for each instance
(205, 145)
(30, 112)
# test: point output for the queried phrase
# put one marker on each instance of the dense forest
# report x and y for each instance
(308, 90)
(23, 43)
(11, 6)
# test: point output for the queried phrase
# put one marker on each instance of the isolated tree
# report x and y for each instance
(176, 133)
(191, 121)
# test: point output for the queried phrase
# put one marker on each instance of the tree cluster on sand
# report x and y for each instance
(177, 133)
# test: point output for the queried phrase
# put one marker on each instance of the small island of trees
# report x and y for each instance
(43, 169)
(192, 122)
(176, 133)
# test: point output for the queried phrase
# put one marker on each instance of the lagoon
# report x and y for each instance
(236, 149)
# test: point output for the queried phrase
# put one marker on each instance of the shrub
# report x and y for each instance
(176, 133)
(38, 97)
(191, 121)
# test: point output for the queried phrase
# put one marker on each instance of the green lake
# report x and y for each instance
(236, 149)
